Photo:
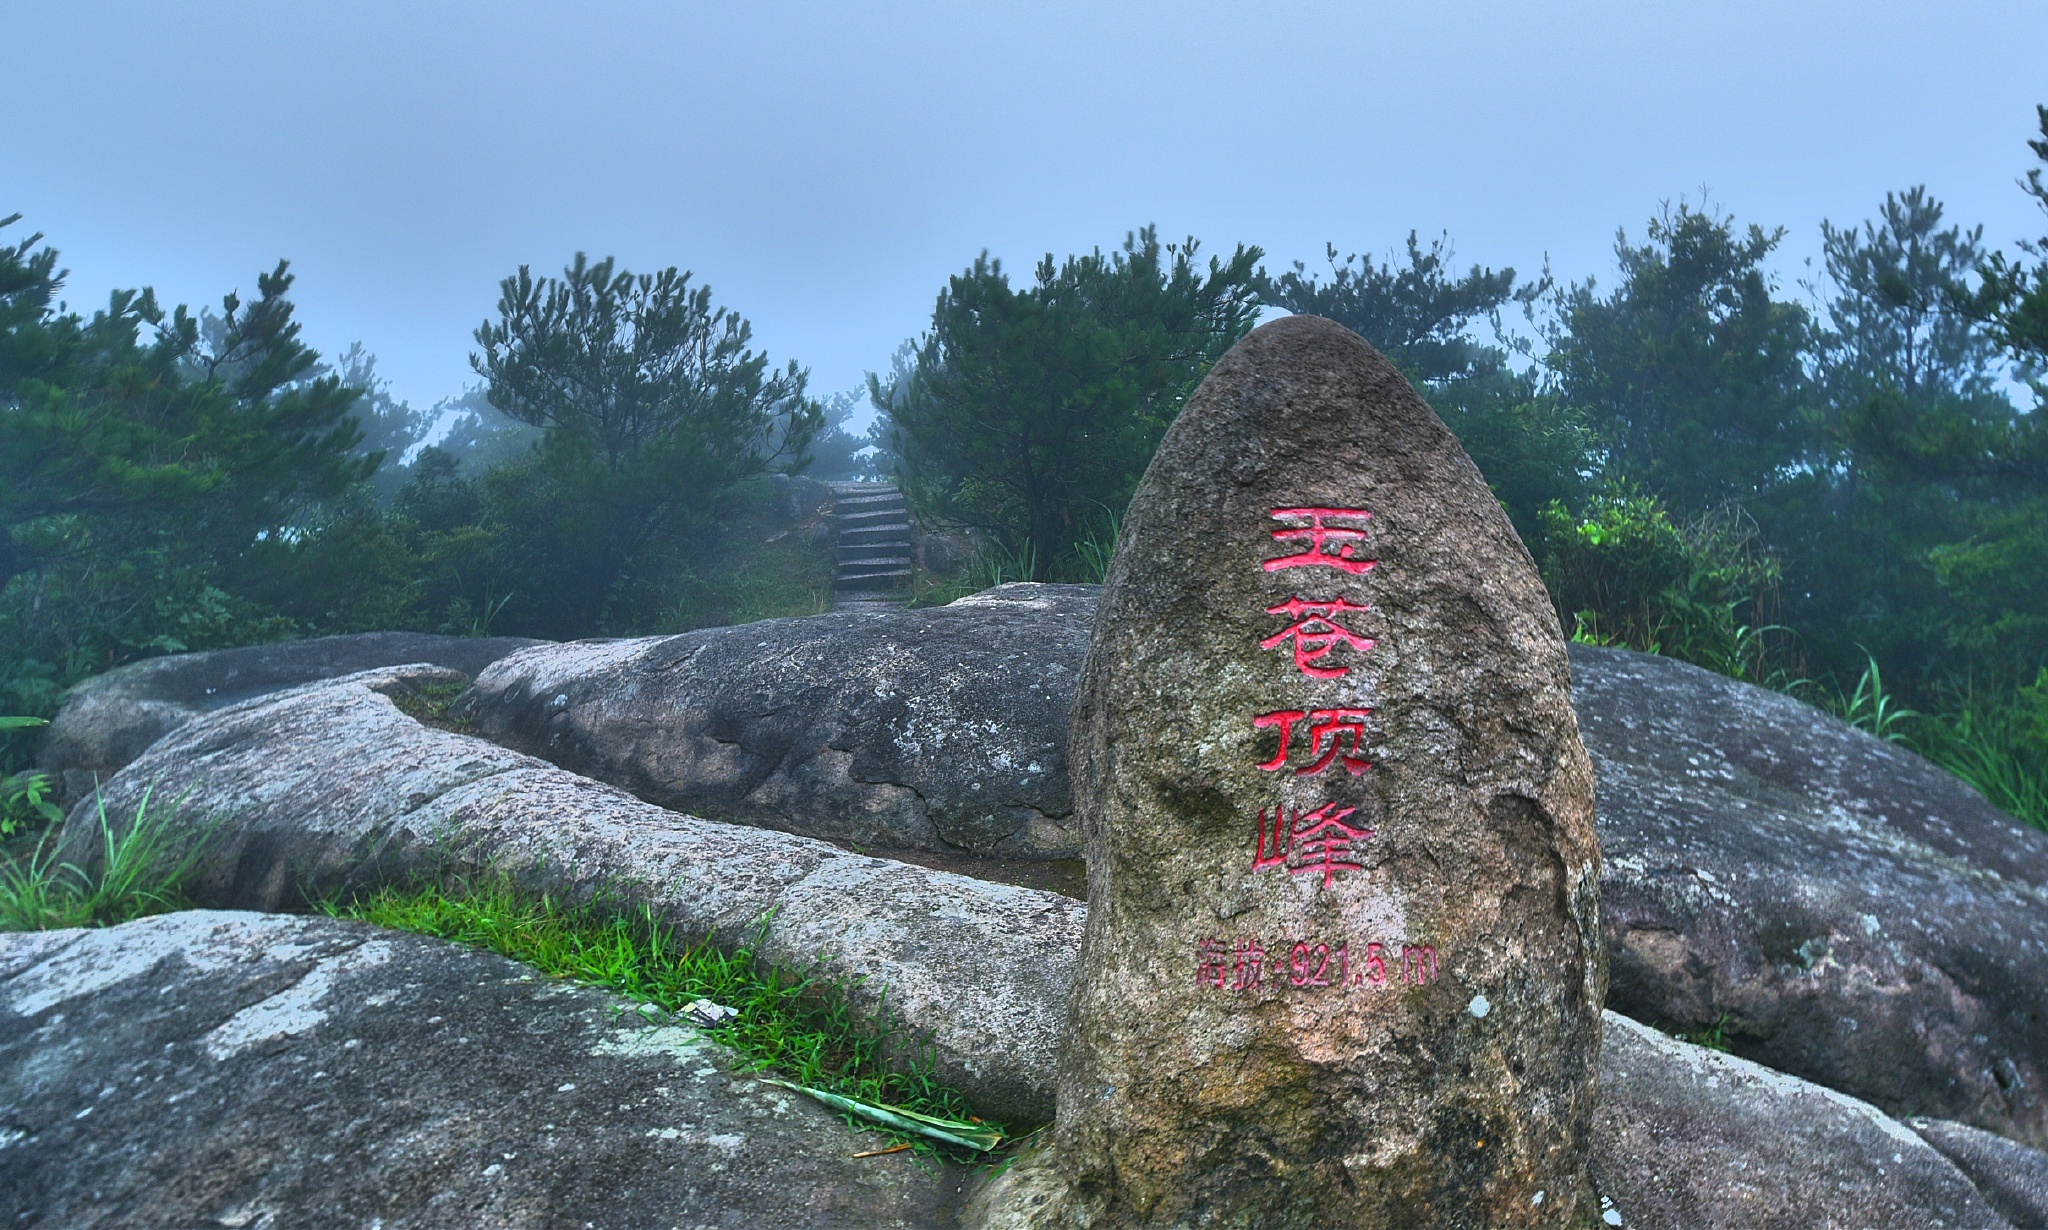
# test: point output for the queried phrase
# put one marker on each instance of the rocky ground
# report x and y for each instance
(1864, 931)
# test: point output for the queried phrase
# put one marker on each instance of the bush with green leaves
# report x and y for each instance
(653, 408)
(143, 453)
(1622, 572)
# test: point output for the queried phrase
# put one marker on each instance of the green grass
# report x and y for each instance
(429, 703)
(1714, 1037)
(140, 873)
(799, 1027)
(1999, 747)
(1995, 749)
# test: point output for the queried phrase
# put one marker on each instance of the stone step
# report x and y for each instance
(874, 550)
(895, 579)
(870, 536)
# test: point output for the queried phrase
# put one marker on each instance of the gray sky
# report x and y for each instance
(826, 166)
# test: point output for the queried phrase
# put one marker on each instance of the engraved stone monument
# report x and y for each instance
(1343, 963)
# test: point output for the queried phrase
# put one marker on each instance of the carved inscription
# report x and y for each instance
(1318, 533)
(1316, 631)
(1328, 732)
(1316, 842)
(1305, 965)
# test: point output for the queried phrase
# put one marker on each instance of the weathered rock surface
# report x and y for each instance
(109, 719)
(1691, 1139)
(223, 1068)
(938, 729)
(1738, 886)
(1845, 910)
(329, 788)
(1752, 843)
(228, 1069)
(1386, 1010)
(2012, 1177)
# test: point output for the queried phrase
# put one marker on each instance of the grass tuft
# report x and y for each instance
(139, 874)
(798, 1026)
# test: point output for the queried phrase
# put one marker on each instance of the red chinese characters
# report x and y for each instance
(1305, 965)
(1316, 842)
(1321, 841)
(1319, 534)
(1328, 731)
(1316, 630)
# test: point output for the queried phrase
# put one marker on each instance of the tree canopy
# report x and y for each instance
(1030, 414)
(653, 406)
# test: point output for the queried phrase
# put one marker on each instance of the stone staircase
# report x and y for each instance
(874, 551)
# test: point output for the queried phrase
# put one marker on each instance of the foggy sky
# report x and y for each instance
(826, 166)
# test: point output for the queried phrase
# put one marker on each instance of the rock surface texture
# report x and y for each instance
(940, 729)
(228, 1069)
(220, 1068)
(110, 719)
(329, 788)
(1843, 909)
(1378, 1005)
(1691, 1139)
(2012, 1177)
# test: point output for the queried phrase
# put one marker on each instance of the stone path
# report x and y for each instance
(874, 550)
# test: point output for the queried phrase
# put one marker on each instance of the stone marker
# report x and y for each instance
(1342, 964)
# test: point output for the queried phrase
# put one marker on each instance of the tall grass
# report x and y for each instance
(796, 1025)
(1994, 747)
(1998, 747)
(139, 872)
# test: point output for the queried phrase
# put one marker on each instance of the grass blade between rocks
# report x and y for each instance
(798, 1026)
(966, 1134)
(139, 874)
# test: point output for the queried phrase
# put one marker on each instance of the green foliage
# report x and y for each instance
(1419, 316)
(1897, 495)
(1997, 744)
(1030, 414)
(142, 869)
(25, 803)
(1871, 708)
(1714, 1037)
(653, 406)
(1622, 572)
(1920, 535)
(25, 797)
(2013, 297)
(1691, 371)
(143, 454)
(794, 1024)
(1534, 449)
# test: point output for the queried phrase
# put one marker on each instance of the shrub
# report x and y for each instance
(1622, 572)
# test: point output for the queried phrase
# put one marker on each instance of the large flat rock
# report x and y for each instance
(221, 1068)
(230, 1069)
(1842, 908)
(111, 719)
(329, 789)
(1687, 1138)
(937, 729)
